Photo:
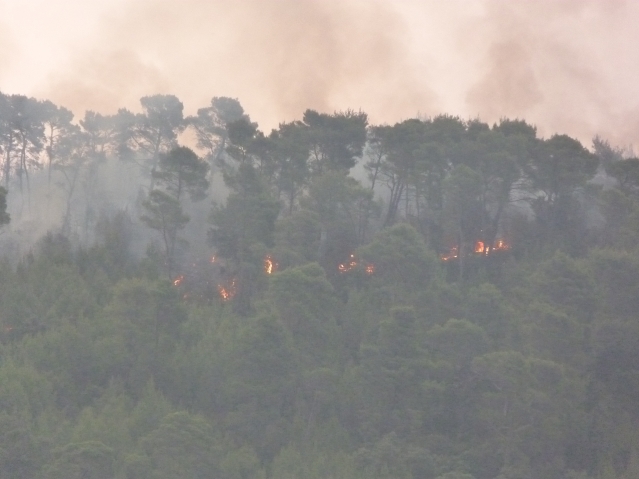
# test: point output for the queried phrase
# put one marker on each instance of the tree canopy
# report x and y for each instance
(190, 296)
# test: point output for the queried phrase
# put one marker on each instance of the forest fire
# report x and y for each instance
(479, 248)
(352, 264)
(346, 267)
(452, 254)
(178, 281)
(227, 293)
(270, 266)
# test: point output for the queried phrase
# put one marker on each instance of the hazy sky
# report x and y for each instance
(565, 65)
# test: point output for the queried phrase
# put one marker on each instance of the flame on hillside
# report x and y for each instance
(452, 254)
(353, 263)
(227, 292)
(270, 266)
(178, 281)
(480, 248)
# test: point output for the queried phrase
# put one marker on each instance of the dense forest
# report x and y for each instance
(190, 297)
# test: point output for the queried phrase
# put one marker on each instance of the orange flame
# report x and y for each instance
(452, 254)
(270, 266)
(178, 281)
(213, 259)
(346, 267)
(480, 248)
(352, 264)
(227, 293)
(501, 245)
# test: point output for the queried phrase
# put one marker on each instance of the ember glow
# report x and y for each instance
(178, 281)
(480, 248)
(270, 266)
(346, 267)
(213, 259)
(227, 292)
(352, 264)
(452, 254)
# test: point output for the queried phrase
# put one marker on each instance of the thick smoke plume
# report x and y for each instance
(279, 57)
(565, 65)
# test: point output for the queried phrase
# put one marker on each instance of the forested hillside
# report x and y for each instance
(190, 297)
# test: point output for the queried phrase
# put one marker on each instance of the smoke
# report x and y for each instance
(106, 80)
(278, 57)
(6, 46)
(565, 65)
(510, 86)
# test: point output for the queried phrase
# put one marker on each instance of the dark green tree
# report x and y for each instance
(340, 204)
(23, 138)
(291, 165)
(143, 137)
(259, 387)
(307, 305)
(4, 216)
(336, 141)
(243, 228)
(57, 123)
(164, 214)
(181, 171)
(393, 373)
(626, 172)
(89, 459)
(559, 167)
(182, 446)
(463, 212)
(210, 125)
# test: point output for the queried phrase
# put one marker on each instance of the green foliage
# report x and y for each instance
(292, 463)
(392, 372)
(567, 283)
(297, 239)
(303, 287)
(259, 387)
(165, 215)
(336, 141)
(457, 342)
(24, 392)
(401, 259)
(519, 363)
(4, 216)
(247, 218)
(22, 453)
(307, 305)
(182, 446)
(90, 459)
(181, 171)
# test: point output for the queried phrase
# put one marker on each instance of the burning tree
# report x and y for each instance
(180, 171)
(243, 228)
(462, 208)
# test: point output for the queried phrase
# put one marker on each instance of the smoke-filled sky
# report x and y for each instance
(565, 65)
